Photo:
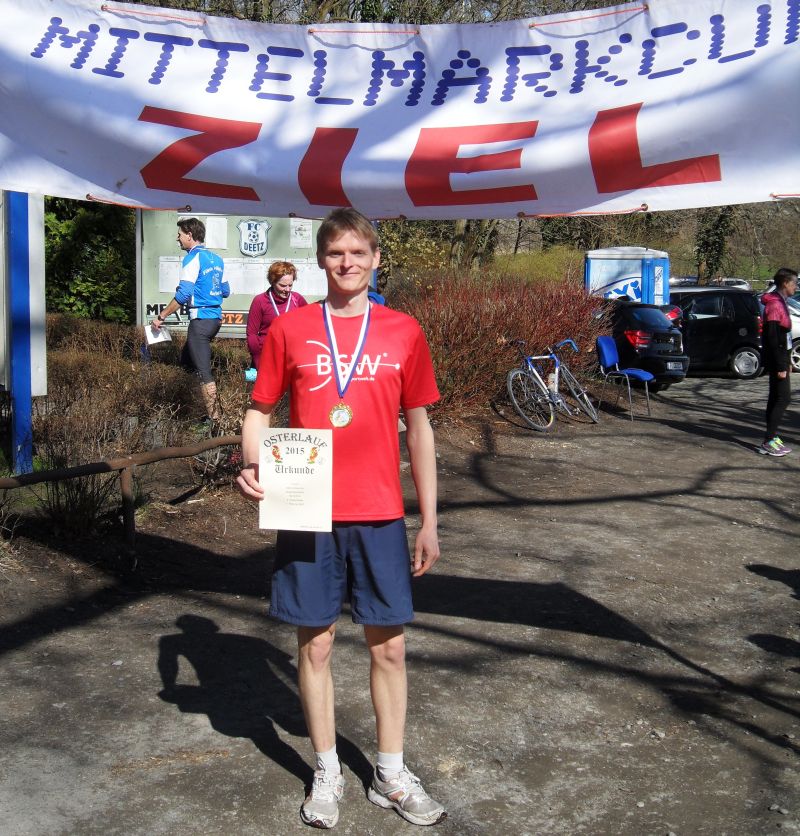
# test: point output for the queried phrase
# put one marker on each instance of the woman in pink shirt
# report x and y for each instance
(278, 299)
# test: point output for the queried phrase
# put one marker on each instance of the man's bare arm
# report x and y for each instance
(422, 452)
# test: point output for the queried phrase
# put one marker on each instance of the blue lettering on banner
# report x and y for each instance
(513, 55)
(583, 69)
(535, 66)
(318, 79)
(649, 50)
(382, 67)
(55, 29)
(169, 43)
(124, 37)
(718, 36)
(262, 74)
(480, 79)
(224, 51)
(792, 22)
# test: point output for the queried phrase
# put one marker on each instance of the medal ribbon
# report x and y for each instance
(272, 299)
(344, 374)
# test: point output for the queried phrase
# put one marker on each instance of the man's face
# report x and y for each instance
(185, 240)
(348, 262)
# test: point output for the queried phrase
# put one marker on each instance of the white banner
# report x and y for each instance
(669, 104)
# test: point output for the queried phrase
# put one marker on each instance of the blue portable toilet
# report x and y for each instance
(639, 273)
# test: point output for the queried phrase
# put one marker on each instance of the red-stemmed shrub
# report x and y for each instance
(470, 322)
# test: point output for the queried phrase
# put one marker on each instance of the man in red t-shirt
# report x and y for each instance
(351, 365)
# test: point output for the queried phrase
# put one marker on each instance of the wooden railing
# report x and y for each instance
(125, 465)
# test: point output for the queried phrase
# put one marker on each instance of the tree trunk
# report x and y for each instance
(457, 242)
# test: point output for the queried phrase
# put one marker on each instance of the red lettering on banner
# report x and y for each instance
(168, 170)
(617, 160)
(435, 158)
(320, 173)
(613, 150)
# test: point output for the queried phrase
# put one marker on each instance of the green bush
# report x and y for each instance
(90, 259)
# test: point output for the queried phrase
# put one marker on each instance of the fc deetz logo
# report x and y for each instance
(253, 239)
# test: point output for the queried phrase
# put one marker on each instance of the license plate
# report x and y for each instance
(674, 366)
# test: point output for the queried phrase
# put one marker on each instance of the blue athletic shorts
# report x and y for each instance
(366, 563)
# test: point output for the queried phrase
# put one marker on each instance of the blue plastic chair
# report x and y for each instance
(608, 357)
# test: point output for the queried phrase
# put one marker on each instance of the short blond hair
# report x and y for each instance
(344, 220)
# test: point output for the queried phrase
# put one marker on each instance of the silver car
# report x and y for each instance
(794, 312)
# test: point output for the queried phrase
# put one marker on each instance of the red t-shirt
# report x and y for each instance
(395, 370)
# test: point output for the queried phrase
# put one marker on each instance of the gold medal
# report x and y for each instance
(341, 415)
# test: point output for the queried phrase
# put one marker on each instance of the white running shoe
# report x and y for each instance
(404, 793)
(321, 807)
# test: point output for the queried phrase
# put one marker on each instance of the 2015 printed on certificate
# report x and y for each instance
(296, 472)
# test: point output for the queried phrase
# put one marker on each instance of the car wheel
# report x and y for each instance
(795, 356)
(745, 363)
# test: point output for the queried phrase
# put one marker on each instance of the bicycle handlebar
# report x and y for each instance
(569, 342)
(520, 344)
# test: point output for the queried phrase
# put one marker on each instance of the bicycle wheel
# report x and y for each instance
(531, 399)
(576, 397)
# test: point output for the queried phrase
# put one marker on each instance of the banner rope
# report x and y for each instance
(643, 208)
(363, 31)
(642, 8)
(136, 12)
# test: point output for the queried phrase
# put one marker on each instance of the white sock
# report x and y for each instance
(329, 761)
(390, 764)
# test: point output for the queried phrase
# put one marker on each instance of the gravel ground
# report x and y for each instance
(609, 645)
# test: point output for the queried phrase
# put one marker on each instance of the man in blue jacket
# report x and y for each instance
(201, 288)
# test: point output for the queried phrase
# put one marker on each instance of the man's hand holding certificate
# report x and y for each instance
(296, 472)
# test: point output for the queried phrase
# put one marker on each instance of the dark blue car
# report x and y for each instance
(647, 339)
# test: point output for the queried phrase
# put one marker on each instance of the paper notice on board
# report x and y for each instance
(296, 471)
(300, 233)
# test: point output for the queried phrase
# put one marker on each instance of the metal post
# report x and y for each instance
(128, 507)
(18, 253)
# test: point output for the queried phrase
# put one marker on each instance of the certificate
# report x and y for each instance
(295, 468)
(152, 336)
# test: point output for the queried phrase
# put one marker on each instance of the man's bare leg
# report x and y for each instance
(315, 683)
(394, 786)
(388, 686)
(210, 400)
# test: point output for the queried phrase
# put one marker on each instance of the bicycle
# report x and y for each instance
(538, 401)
